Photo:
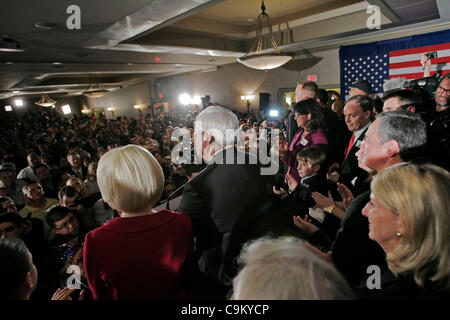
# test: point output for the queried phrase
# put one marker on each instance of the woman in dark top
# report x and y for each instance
(409, 217)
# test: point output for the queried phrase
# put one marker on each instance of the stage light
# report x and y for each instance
(273, 113)
(185, 99)
(66, 109)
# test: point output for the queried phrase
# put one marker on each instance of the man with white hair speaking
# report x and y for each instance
(226, 193)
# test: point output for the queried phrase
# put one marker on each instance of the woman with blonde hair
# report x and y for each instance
(143, 254)
(409, 217)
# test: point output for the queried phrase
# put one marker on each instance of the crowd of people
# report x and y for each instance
(358, 207)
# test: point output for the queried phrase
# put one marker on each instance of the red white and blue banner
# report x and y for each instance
(397, 58)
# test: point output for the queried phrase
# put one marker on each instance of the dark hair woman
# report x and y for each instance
(309, 117)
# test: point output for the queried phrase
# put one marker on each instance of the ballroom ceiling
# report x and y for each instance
(124, 42)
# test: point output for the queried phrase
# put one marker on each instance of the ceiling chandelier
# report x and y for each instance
(45, 101)
(95, 90)
(262, 56)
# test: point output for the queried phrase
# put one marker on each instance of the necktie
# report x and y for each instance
(350, 145)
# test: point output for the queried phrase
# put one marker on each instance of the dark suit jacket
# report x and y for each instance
(218, 200)
(337, 135)
(299, 202)
(353, 250)
(349, 165)
(291, 129)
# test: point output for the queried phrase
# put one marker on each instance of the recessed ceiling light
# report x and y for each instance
(57, 63)
(9, 62)
(16, 91)
(251, 20)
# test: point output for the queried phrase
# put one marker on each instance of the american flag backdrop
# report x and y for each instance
(379, 61)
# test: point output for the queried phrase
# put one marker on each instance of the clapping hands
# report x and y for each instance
(305, 225)
(64, 294)
(322, 202)
(346, 195)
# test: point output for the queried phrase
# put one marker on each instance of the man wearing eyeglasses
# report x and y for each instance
(65, 224)
(439, 133)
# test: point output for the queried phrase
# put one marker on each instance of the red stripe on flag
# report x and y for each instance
(440, 60)
(442, 46)
(418, 75)
(406, 64)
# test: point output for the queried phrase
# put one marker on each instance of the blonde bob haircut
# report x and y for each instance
(285, 269)
(130, 179)
(419, 194)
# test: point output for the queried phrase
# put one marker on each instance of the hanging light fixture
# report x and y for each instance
(261, 56)
(95, 90)
(45, 101)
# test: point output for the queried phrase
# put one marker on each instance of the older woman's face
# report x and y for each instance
(383, 224)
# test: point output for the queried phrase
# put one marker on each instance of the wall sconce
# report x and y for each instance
(248, 98)
(139, 108)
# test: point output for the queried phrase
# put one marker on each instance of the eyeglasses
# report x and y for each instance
(441, 89)
(66, 224)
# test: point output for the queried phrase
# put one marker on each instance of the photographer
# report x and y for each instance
(439, 131)
(206, 101)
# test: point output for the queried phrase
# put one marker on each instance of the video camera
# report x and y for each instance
(429, 84)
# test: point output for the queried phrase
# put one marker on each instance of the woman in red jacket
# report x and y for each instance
(143, 254)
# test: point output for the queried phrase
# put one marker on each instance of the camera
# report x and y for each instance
(429, 84)
(431, 55)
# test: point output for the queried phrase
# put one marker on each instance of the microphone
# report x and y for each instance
(167, 202)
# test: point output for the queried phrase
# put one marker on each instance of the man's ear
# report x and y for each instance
(28, 282)
(207, 136)
(392, 148)
(367, 114)
(412, 109)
